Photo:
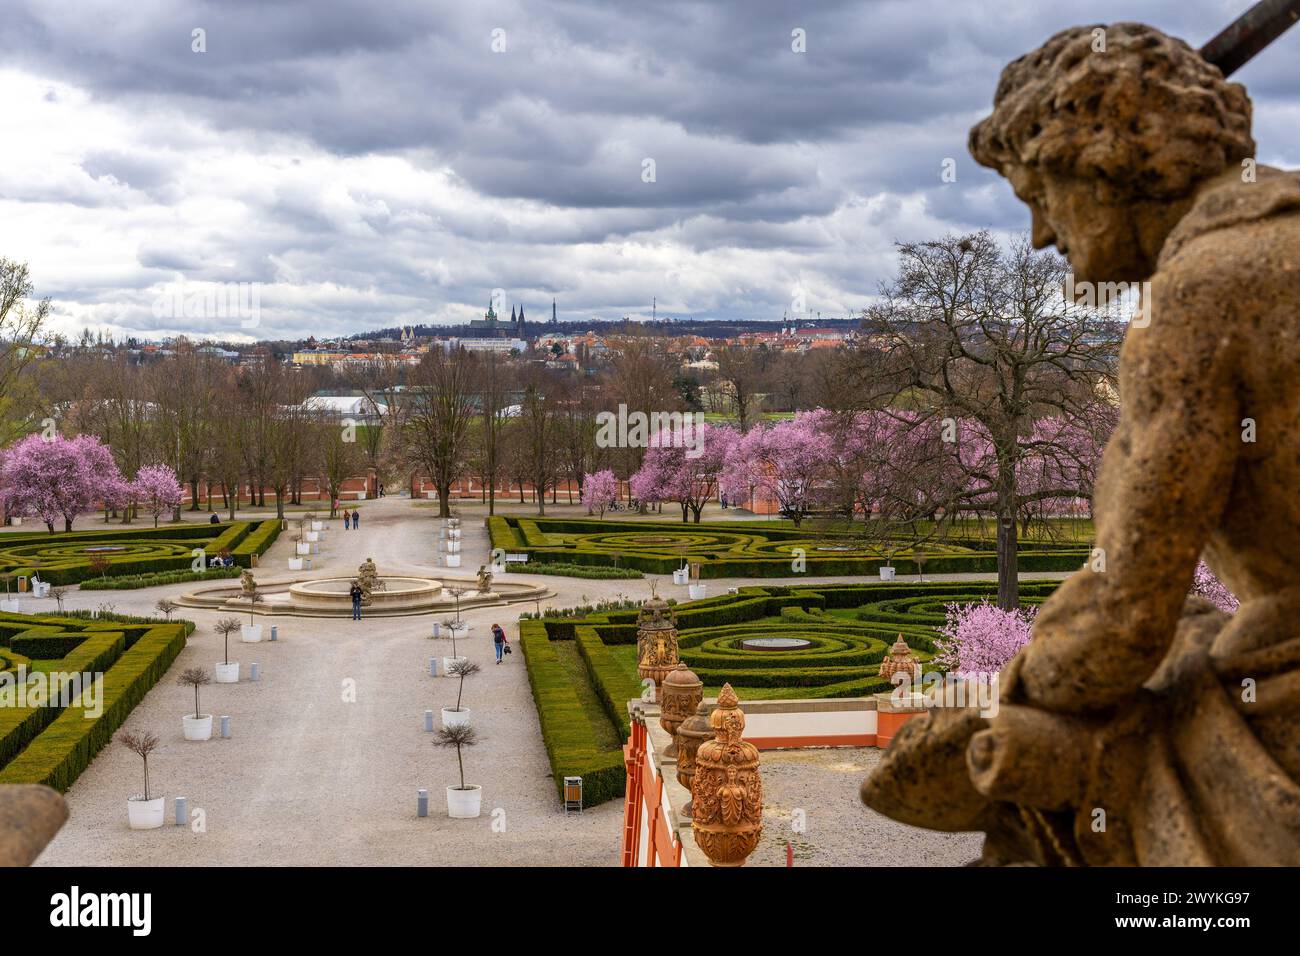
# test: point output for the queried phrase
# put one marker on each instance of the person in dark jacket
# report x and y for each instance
(214, 519)
(498, 640)
(347, 519)
(356, 594)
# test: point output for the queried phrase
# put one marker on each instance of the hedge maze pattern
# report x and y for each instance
(65, 558)
(750, 550)
(44, 743)
(850, 626)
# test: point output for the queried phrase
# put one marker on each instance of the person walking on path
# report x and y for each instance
(347, 519)
(356, 519)
(498, 640)
(356, 594)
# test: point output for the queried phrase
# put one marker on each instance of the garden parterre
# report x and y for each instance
(850, 628)
(65, 557)
(51, 723)
(751, 549)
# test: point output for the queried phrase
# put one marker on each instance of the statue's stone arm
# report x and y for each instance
(1163, 484)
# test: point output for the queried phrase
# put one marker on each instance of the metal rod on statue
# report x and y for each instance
(1251, 32)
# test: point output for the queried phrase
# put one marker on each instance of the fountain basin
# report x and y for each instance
(396, 594)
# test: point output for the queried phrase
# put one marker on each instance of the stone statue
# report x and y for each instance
(368, 578)
(246, 583)
(484, 579)
(1140, 726)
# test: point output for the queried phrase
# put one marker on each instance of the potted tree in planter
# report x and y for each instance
(165, 606)
(295, 560)
(316, 524)
(198, 727)
(463, 802)
(450, 626)
(142, 811)
(251, 633)
(227, 670)
(458, 715)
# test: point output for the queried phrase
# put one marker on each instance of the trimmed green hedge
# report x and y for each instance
(63, 558)
(53, 745)
(850, 626)
(157, 579)
(747, 549)
(570, 741)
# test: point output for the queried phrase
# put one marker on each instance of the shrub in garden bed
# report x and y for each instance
(130, 582)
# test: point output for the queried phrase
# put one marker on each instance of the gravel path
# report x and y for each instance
(810, 799)
(311, 779)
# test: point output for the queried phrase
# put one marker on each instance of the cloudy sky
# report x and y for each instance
(392, 161)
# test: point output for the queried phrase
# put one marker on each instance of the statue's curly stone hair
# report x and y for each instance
(1148, 115)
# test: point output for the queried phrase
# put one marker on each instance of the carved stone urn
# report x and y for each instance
(727, 790)
(682, 693)
(656, 641)
(693, 732)
(899, 659)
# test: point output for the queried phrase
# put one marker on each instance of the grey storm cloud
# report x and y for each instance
(374, 164)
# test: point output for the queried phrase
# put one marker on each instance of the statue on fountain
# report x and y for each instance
(246, 583)
(368, 578)
(1140, 726)
(484, 580)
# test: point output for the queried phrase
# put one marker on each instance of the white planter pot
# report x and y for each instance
(304, 547)
(295, 564)
(453, 561)
(455, 718)
(10, 605)
(16, 522)
(250, 633)
(453, 533)
(887, 574)
(318, 526)
(446, 667)
(198, 728)
(698, 591)
(453, 546)
(228, 673)
(682, 576)
(464, 804)
(312, 536)
(146, 814)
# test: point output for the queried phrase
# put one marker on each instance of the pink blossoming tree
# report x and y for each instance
(60, 478)
(156, 489)
(1206, 584)
(599, 490)
(684, 469)
(981, 639)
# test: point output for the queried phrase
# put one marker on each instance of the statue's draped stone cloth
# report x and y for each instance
(1200, 765)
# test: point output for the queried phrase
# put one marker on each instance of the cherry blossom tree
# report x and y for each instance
(157, 489)
(1206, 584)
(787, 461)
(684, 469)
(598, 490)
(980, 639)
(59, 478)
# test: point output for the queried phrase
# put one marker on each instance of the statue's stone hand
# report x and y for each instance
(923, 780)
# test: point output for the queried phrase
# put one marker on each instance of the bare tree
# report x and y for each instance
(982, 337)
(21, 327)
(435, 427)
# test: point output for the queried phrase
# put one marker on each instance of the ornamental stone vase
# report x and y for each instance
(900, 659)
(682, 693)
(692, 732)
(727, 790)
(656, 641)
